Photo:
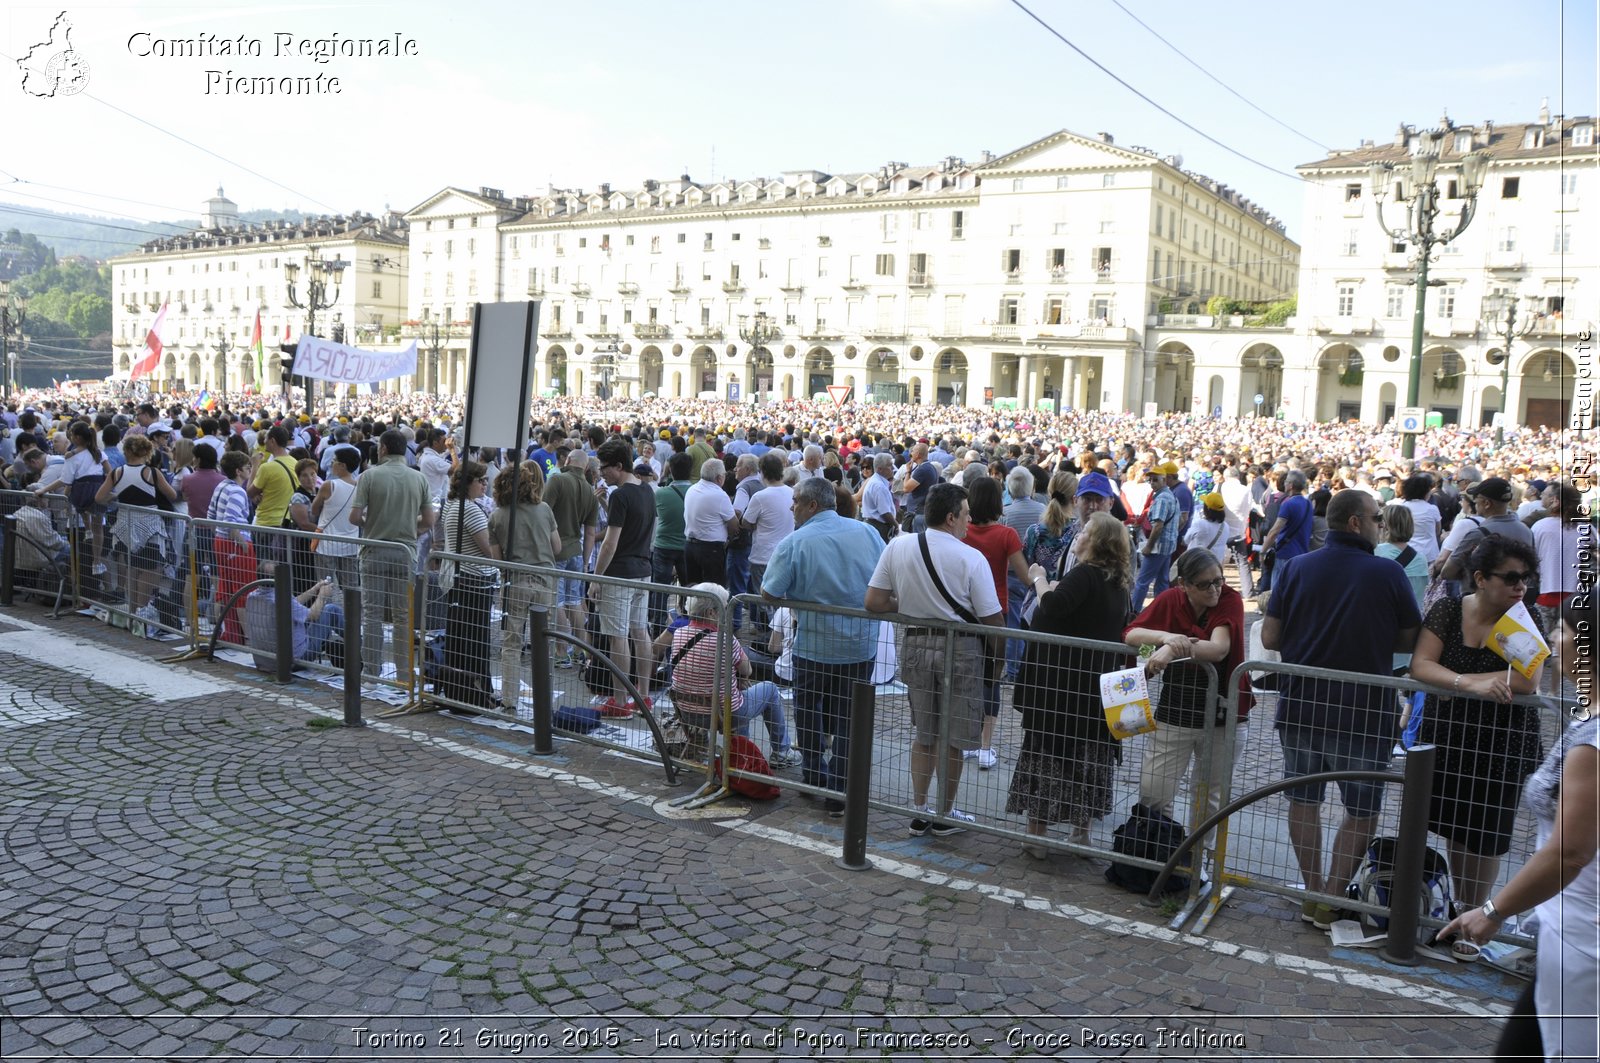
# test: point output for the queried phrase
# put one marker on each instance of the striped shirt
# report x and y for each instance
(230, 504)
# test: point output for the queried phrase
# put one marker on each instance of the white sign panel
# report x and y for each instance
(322, 359)
(1411, 419)
(497, 394)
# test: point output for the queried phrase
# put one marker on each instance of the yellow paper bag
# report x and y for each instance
(1126, 697)
(1515, 637)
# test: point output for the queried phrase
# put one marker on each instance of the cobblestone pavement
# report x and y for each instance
(196, 865)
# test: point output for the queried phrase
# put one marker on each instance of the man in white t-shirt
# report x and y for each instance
(434, 462)
(708, 518)
(905, 582)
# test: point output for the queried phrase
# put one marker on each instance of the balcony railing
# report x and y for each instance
(1013, 275)
(709, 332)
(652, 331)
(792, 287)
(535, 289)
(885, 332)
(580, 290)
(627, 288)
(1058, 273)
(679, 288)
(820, 333)
(919, 279)
(733, 286)
(1510, 260)
(556, 332)
(1342, 325)
(1003, 332)
(603, 332)
(854, 284)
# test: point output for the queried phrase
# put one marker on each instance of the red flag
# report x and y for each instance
(152, 343)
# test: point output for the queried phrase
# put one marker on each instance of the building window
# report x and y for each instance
(1061, 181)
(1447, 301)
(1108, 180)
(1102, 260)
(1509, 187)
(922, 219)
(377, 289)
(1352, 191)
(1016, 184)
(577, 315)
(1056, 258)
(884, 266)
(1055, 311)
(1347, 300)
(957, 223)
(1569, 184)
(1562, 240)
(1352, 242)
(1394, 301)
(1463, 143)
(1508, 239)
(683, 238)
(627, 241)
(1533, 137)
(472, 246)
(449, 248)
(1011, 260)
(1582, 136)
(1010, 310)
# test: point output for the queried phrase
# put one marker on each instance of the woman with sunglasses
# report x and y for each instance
(1200, 618)
(1487, 746)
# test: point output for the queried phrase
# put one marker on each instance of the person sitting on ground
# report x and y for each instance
(697, 686)
(314, 614)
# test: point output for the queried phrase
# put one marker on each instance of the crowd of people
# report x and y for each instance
(1097, 526)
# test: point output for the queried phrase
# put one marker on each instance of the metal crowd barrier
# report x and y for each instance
(1103, 786)
(500, 627)
(1256, 852)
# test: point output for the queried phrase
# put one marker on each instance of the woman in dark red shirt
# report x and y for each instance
(1199, 618)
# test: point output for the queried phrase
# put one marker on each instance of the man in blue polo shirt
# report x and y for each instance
(1342, 608)
(826, 559)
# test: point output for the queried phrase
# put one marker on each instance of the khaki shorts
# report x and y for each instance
(622, 610)
(922, 667)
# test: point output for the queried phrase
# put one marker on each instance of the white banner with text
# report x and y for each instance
(322, 359)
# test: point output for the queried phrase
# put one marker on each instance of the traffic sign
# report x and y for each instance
(1412, 419)
(1260, 398)
(839, 393)
(1216, 411)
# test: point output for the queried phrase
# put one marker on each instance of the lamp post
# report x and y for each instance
(222, 354)
(12, 317)
(1500, 318)
(1419, 191)
(759, 331)
(320, 273)
(433, 332)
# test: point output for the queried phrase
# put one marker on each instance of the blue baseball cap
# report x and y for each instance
(1094, 483)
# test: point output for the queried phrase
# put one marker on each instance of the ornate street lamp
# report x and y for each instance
(434, 331)
(1419, 191)
(1500, 318)
(13, 315)
(759, 331)
(320, 273)
(222, 356)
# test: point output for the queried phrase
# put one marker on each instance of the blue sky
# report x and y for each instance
(516, 96)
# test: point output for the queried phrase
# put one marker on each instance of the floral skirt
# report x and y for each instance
(1072, 790)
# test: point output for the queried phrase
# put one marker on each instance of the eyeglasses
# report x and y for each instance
(1513, 579)
(1210, 584)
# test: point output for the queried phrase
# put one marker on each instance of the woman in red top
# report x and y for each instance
(1200, 618)
(1001, 547)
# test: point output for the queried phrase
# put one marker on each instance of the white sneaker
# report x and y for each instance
(98, 570)
(785, 758)
(955, 817)
(968, 754)
(986, 759)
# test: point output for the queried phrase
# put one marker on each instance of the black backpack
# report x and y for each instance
(1148, 836)
(596, 676)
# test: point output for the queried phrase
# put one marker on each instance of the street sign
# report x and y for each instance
(1150, 409)
(839, 393)
(1260, 398)
(1411, 419)
(733, 391)
(1216, 411)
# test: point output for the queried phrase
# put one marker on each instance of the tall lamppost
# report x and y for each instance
(1419, 191)
(222, 355)
(320, 273)
(12, 317)
(758, 331)
(1500, 318)
(433, 332)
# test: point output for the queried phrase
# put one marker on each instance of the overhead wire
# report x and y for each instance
(17, 179)
(1191, 127)
(1241, 97)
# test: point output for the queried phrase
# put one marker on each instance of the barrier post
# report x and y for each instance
(283, 597)
(352, 657)
(8, 561)
(539, 641)
(1404, 909)
(858, 779)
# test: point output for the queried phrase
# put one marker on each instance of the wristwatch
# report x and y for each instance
(1493, 914)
